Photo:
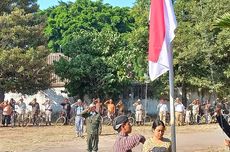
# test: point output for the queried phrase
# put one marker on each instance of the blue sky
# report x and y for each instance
(48, 3)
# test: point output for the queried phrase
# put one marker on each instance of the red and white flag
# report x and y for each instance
(161, 33)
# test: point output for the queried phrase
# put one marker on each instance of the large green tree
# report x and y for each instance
(23, 52)
(89, 68)
(68, 18)
(201, 51)
(92, 35)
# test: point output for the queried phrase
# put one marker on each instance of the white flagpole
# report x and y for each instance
(171, 96)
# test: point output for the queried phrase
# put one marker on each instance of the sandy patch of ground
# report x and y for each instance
(195, 138)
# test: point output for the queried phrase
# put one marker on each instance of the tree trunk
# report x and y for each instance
(184, 95)
(2, 95)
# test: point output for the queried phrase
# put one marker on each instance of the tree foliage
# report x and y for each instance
(224, 21)
(29, 6)
(68, 18)
(201, 51)
(23, 52)
(89, 68)
(92, 35)
(106, 47)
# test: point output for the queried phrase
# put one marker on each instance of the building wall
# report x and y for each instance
(52, 57)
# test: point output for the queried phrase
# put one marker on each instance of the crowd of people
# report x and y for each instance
(193, 113)
(92, 114)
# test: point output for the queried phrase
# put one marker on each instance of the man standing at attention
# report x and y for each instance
(139, 112)
(48, 111)
(179, 112)
(35, 110)
(124, 142)
(163, 109)
(79, 120)
(93, 127)
(21, 111)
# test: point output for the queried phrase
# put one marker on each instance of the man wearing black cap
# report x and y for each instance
(125, 143)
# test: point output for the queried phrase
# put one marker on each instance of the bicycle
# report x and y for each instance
(105, 120)
(61, 120)
(41, 119)
(30, 120)
(14, 118)
(131, 117)
(147, 120)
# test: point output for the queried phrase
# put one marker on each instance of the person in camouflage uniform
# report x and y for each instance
(93, 127)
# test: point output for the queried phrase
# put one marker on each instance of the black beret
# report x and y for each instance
(118, 121)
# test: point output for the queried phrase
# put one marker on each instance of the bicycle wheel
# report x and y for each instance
(214, 119)
(106, 121)
(202, 120)
(26, 122)
(132, 120)
(60, 121)
(39, 121)
(209, 119)
(147, 120)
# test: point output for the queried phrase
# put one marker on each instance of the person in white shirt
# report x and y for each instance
(139, 112)
(79, 107)
(48, 111)
(179, 112)
(163, 109)
(21, 109)
(188, 114)
(195, 110)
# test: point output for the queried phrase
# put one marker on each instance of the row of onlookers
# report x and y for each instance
(194, 113)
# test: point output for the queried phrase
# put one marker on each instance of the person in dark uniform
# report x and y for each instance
(93, 127)
(35, 110)
(67, 108)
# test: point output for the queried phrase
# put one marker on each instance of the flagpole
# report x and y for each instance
(172, 108)
(160, 57)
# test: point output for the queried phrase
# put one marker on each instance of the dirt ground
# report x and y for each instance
(194, 138)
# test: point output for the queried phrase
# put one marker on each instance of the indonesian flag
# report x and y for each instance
(161, 33)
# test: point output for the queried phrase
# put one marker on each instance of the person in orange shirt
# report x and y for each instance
(7, 111)
(111, 108)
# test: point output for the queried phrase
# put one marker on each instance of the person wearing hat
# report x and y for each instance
(79, 120)
(124, 142)
(93, 127)
(21, 110)
(48, 111)
(139, 112)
